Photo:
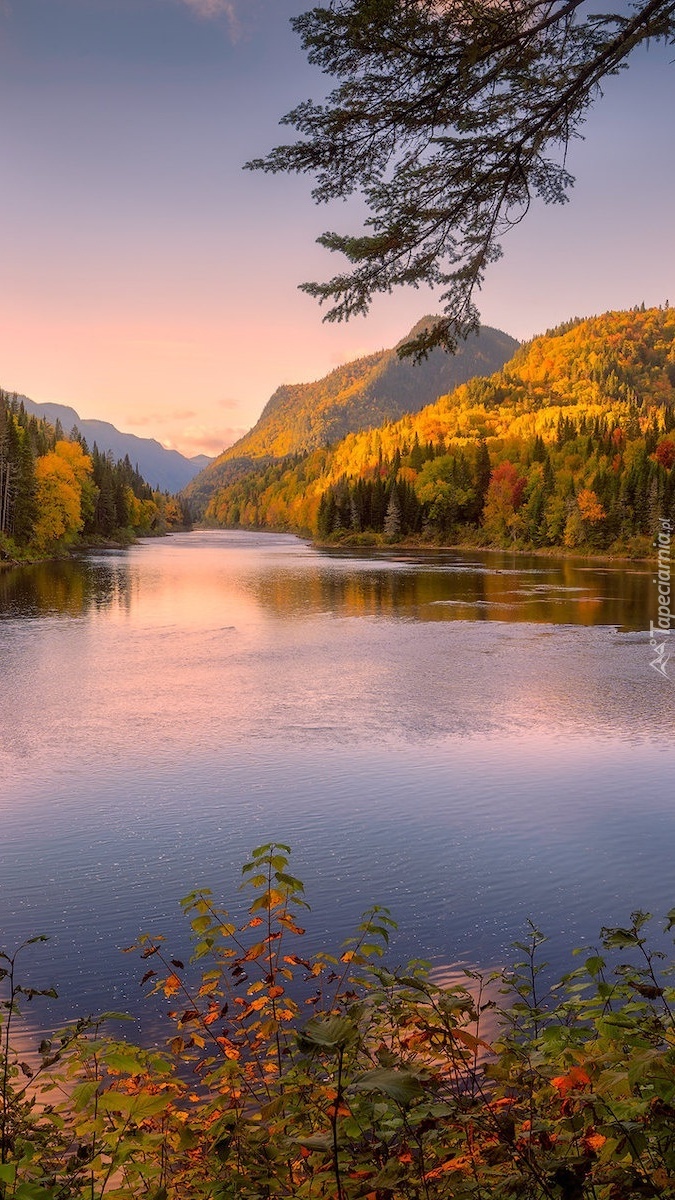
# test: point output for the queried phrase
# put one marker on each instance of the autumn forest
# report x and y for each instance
(571, 444)
(55, 493)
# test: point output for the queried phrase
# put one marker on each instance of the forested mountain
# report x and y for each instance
(358, 395)
(572, 443)
(164, 469)
(55, 492)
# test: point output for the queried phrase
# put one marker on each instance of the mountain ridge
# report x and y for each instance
(167, 470)
(357, 395)
(571, 443)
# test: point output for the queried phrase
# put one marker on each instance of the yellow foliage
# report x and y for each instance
(590, 507)
(58, 497)
(79, 462)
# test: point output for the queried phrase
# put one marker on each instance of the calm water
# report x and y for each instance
(473, 740)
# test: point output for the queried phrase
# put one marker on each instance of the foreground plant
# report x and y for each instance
(297, 1075)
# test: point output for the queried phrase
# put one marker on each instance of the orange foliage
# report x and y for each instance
(575, 1078)
(590, 507)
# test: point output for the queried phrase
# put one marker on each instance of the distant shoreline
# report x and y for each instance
(465, 547)
(85, 548)
(355, 543)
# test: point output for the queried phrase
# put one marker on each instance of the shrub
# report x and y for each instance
(325, 1075)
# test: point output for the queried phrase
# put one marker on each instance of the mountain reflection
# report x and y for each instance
(429, 586)
(455, 588)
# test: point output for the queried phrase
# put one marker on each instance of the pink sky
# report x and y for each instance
(148, 281)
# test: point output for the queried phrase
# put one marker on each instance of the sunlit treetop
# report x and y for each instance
(448, 117)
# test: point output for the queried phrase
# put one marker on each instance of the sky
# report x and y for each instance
(147, 280)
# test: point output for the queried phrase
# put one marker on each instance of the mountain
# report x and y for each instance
(358, 395)
(164, 469)
(571, 443)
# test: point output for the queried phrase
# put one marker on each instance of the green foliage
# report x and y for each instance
(330, 1075)
(448, 118)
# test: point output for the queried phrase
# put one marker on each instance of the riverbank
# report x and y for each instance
(85, 547)
(644, 552)
(80, 548)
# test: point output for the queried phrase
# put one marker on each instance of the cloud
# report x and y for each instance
(154, 419)
(228, 403)
(217, 8)
(340, 357)
(201, 439)
(139, 421)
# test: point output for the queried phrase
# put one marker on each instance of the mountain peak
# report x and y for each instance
(357, 395)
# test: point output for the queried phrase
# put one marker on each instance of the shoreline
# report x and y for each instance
(351, 543)
(466, 547)
(67, 555)
(86, 548)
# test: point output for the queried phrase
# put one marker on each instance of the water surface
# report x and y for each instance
(471, 739)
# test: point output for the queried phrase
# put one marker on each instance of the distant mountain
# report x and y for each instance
(358, 395)
(571, 443)
(164, 469)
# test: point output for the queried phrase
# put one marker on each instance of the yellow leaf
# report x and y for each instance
(171, 985)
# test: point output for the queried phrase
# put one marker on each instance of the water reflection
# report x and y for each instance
(292, 578)
(470, 739)
(70, 588)
(437, 587)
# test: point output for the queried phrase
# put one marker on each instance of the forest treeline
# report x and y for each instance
(55, 492)
(571, 444)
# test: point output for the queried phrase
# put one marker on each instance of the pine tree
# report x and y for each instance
(482, 475)
(392, 521)
(25, 505)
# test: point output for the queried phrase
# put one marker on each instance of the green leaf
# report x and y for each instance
(121, 1060)
(402, 1086)
(289, 881)
(223, 1147)
(371, 949)
(7, 1172)
(83, 1093)
(334, 1033)
(137, 1107)
(316, 1141)
(619, 939)
(33, 1191)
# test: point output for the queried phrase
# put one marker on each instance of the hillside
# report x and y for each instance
(56, 494)
(358, 395)
(165, 469)
(572, 443)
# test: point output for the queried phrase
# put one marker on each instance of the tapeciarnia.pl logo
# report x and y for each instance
(661, 631)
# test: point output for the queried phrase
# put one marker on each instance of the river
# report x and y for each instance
(472, 739)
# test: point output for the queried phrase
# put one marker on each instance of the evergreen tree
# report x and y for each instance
(448, 118)
(482, 475)
(417, 455)
(392, 522)
(25, 507)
